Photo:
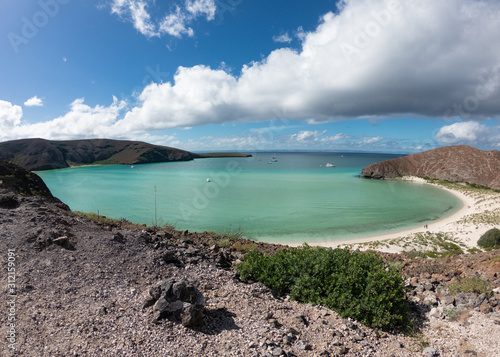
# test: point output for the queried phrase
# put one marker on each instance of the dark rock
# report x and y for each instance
(171, 258)
(8, 199)
(118, 237)
(180, 301)
(63, 242)
(20, 181)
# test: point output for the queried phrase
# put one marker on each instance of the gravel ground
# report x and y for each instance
(80, 288)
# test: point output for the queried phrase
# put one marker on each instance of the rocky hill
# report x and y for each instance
(452, 163)
(41, 154)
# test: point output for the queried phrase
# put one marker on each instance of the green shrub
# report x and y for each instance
(470, 285)
(357, 285)
(490, 239)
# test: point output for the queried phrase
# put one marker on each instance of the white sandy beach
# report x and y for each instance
(460, 225)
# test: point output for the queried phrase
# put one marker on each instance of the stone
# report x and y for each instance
(436, 313)
(63, 242)
(277, 351)
(303, 345)
(8, 199)
(430, 352)
(180, 301)
(170, 258)
(118, 237)
(301, 320)
(467, 299)
(396, 343)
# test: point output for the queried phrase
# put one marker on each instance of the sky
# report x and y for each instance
(398, 76)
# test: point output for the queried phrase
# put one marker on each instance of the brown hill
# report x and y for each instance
(453, 163)
(41, 154)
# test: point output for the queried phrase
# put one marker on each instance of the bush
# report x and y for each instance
(357, 285)
(491, 239)
(470, 285)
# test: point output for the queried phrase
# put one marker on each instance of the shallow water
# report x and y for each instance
(294, 200)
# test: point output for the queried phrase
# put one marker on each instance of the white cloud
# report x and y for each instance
(307, 135)
(34, 102)
(201, 7)
(82, 121)
(175, 23)
(10, 117)
(372, 59)
(283, 38)
(136, 12)
(469, 133)
(419, 60)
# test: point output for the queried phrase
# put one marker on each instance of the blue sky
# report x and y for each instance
(371, 75)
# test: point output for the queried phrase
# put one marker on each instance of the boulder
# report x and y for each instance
(177, 300)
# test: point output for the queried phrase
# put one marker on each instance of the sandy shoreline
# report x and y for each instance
(455, 225)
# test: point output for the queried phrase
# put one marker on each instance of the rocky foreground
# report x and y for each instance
(79, 288)
(453, 163)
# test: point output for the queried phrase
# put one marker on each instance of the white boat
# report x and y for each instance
(208, 180)
(329, 165)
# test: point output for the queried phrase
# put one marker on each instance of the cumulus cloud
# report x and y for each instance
(33, 102)
(176, 23)
(373, 59)
(10, 117)
(469, 133)
(82, 121)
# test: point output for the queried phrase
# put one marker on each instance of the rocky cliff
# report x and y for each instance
(41, 154)
(453, 163)
(18, 180)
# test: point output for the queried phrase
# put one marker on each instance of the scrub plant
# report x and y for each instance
(354, 284)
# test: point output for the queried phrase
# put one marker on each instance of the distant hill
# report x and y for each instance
(454, 163)
(41, 154)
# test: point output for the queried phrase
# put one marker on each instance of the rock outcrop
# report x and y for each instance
(452, 163)
(17, 180)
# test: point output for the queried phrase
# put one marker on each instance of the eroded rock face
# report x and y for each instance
(453, 163)
(18, 180)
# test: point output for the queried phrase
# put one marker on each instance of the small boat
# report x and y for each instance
(329, 165)
(132, 166)
(208, 180)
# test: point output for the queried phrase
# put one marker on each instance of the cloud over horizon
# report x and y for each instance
(373, 59)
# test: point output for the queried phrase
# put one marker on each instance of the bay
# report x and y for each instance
(294, 199)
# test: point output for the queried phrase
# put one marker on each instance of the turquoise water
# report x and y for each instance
(295, 199)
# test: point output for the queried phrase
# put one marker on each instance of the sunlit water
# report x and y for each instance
(295, 199)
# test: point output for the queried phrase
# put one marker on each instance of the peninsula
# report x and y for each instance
(41, 154)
